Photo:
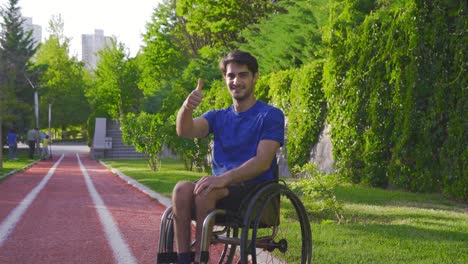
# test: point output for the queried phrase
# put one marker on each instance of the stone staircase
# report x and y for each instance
(119, 150)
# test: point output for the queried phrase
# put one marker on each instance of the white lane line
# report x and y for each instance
(122, 253)
(7, 226)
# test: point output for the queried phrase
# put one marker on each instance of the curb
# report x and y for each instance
(160, 198)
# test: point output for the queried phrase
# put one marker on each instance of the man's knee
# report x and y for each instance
(183, 192)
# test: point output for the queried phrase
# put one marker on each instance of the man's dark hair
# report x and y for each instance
(241, 58)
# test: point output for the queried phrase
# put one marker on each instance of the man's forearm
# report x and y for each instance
(184, 123)
(247, 171)
(266, 153)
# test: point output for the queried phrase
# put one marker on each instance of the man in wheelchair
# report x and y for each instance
(247, 136)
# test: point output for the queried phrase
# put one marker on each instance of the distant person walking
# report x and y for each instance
(45, 147)
(12, 144)
(32, 137)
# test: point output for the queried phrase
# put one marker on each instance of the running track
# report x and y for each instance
(73, 210)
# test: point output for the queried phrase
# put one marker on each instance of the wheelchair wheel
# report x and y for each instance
(220, 252)
(166, 253)
(169, 244)
(225, 252)
(274, 235)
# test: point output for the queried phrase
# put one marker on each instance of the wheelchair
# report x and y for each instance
(271, 226)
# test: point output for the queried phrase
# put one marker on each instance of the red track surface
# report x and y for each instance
(62, 224)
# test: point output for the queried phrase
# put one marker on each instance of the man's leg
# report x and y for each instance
(10, 152)
(204, 203)
(15, 152)
(182, 202)
(32, 147)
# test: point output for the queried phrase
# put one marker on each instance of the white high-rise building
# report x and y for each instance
(36, 29)
(91, 44)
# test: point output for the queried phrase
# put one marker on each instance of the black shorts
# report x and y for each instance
(237, 193)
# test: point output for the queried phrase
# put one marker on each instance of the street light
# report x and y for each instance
(36, 101)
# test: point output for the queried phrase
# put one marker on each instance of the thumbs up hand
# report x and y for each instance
(195, 97)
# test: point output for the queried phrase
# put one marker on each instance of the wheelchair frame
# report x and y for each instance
(246, 232)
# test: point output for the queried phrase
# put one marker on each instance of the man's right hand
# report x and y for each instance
(195, 97)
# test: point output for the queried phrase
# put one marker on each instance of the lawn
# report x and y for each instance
(380, 226)
(393, 227)
(162, 181)
(11, 165)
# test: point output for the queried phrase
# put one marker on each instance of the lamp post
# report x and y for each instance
(36, 110)
(50, 135)
(36, 101)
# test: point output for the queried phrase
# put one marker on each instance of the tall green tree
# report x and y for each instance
(115, 90)
(64, 80)
(16, 49)
(163, 58)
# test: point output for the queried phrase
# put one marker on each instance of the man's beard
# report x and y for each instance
(243, 96)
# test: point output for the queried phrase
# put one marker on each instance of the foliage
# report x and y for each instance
(163, 55)
(217, 97)
(266, 40)
(147, 132)
(17, 47)
(262, 88)
(204, 67)
(395, 106)
(115, 90)
(318, 191)
(62, 82)
(298, 93)
(218, 23)
(307, 102)
(193, 152)
(280, 89)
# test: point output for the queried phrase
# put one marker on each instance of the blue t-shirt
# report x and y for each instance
(12, 139)
(237, 135)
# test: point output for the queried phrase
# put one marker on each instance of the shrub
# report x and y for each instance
(318, 191)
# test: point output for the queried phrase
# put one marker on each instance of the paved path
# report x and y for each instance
(64, 148)
(72, 209)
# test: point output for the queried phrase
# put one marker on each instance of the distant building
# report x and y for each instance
(36, 30)
(91, 45)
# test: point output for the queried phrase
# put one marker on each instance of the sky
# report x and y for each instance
(123, 19)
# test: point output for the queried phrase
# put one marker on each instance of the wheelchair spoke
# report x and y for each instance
(284, 240)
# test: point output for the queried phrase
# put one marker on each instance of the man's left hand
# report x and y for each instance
(208, 183)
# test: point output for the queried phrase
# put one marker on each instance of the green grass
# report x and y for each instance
(380, 226)
(394, 227)
(162, 181)
(11, 165)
